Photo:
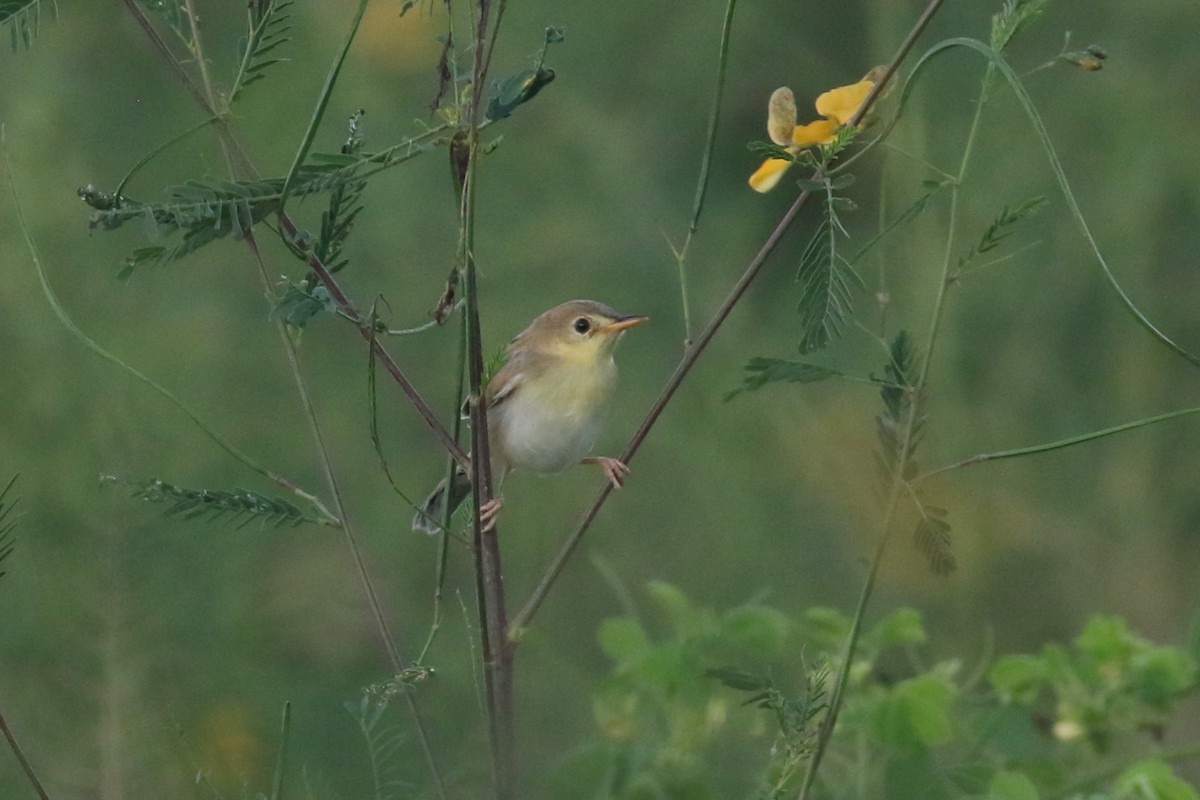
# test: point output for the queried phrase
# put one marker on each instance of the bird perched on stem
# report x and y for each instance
(546, 404)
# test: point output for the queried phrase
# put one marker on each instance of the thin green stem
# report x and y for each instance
(915, 208)
(843, 675)
(26, 767)
(486, 67)
(898, 486)
(318, 114)
(714, 117)
(285, 727)
(322, 450)
(893, 147)
(376, 439)
(197, 48)
(939, 303)
(448, 512)
(710, 140)
(386, 158)
(1059, 444)
(959, 274)
(146, 159)
(433, 323)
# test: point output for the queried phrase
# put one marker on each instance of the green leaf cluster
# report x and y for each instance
(899, 422)
(1109, 682)
(765, 371)
(825, 279)
(384, 741)
(1000, 228)
(268, 26)
(906, 728)
(298, 302)
(210, 505)
(900, 721)
(205, 211)
(660, 716)
(1014, 17)
(900, 428)
(796, 719)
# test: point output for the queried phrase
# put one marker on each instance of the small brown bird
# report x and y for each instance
(546, 404)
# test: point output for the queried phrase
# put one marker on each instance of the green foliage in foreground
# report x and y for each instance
(696, 689)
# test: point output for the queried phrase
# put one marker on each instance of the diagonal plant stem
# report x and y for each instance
(710, 141)
(1047, 447)
(26, 767)
(550, 577)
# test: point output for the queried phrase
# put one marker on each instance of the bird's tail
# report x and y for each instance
(432, 513)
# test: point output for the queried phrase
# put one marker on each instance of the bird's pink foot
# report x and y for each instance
(614, 469)
(488, 513)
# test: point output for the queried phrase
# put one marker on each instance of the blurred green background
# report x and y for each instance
(137, 651)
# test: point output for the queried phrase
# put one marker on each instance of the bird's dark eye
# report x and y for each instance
(582, 325)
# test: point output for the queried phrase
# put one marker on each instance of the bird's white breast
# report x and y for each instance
(549, 424)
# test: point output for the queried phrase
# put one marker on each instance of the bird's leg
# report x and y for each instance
(614, 469)
(488, 513)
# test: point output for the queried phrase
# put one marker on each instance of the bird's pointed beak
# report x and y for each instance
(623, 323)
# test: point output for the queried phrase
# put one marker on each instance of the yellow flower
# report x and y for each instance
(837, 107)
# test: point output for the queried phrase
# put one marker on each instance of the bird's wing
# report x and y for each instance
(512, 375)
(500, 387)
(505, 382)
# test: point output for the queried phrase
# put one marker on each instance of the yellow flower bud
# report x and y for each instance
(781, 116)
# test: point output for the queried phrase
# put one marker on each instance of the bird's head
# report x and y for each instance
(581, 331)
